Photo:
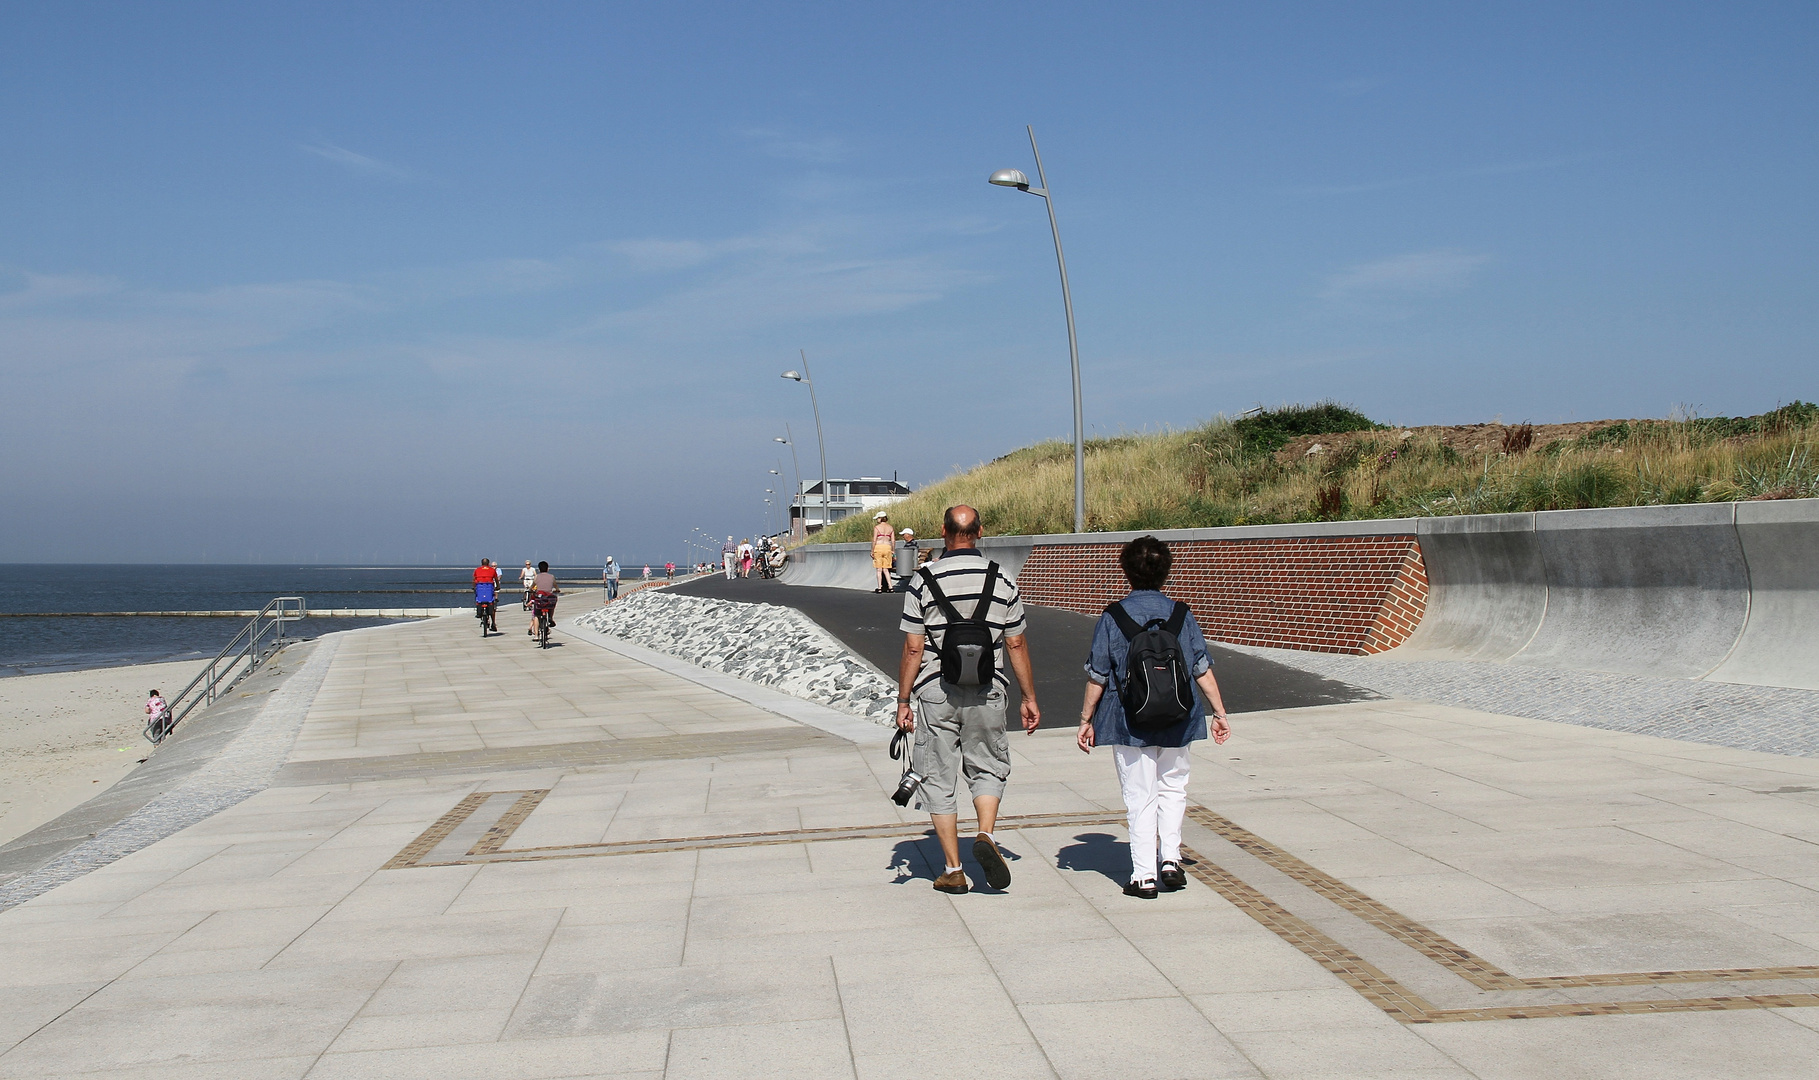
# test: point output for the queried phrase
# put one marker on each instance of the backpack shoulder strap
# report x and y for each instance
(1126, 625)
(1177, 619)
(990, 591)
(940, 598)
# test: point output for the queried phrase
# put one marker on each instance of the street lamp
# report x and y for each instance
(801, 496)
(1015, 178)
(820, 442)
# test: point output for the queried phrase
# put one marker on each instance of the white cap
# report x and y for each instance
(909, 532)
(880, 515)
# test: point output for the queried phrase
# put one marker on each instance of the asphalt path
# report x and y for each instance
(1059, 643)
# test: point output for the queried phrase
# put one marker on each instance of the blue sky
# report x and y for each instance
(395, 282)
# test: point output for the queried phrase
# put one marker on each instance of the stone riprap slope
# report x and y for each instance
(772, 646)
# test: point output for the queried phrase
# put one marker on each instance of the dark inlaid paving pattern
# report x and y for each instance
(478, 827)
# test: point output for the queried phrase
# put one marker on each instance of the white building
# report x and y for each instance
(861, 495)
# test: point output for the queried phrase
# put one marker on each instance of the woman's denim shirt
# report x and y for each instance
(1109, 651)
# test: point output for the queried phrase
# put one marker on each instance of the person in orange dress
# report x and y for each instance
(883, 550)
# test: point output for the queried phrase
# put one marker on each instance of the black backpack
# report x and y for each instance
(966, 649)
(1157, 690)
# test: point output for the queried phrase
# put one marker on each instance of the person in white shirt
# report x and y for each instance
(529, 577)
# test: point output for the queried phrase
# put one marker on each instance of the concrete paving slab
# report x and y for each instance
(1381, 888)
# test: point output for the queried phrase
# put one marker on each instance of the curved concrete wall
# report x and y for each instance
(1654, 590)
(1779, 645)
(1486, 587)
(1721, 591)
(849, 566)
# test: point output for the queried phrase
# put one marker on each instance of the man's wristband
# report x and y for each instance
(903, 701)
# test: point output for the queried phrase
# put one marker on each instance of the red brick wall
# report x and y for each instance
(1348, 594)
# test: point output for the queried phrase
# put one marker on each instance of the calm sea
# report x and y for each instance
(35, 645)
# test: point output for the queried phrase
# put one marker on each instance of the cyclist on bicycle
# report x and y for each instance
(525, 577)
(486, 595)
(543, 595)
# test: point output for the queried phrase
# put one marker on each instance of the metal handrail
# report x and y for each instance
(241, 658)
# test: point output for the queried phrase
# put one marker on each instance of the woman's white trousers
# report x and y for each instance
(1154, 779)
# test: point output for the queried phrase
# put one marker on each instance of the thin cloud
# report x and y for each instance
(1414, 274)
(44, 289)
(1505, 169)
(358, 164)
(823, 150)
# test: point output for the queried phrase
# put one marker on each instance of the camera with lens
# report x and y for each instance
(906, 787)
(911, 780)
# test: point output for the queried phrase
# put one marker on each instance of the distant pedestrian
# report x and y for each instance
(669, 571)
(882, 553)
(729, 557)
(1150, 749)
(906, 557)
(647, 572)
(157, 716)
(953, 694)
(529, 577)
(609, 577)
(486, 596)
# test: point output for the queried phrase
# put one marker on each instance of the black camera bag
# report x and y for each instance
(966, 647)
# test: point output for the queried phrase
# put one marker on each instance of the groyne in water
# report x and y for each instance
(1722, 591)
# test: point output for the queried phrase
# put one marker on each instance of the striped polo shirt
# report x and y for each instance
(961, 575)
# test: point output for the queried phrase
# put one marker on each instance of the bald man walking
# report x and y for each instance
(969, 609)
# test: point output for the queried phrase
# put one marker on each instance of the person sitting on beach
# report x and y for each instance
(1151, 758)
(155, 713)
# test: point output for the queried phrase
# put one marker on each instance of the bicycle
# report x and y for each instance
(486, 610)
(546, 617)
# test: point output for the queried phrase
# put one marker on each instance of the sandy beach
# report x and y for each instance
(66, 736)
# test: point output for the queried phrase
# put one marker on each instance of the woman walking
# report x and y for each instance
(1150, 750)
(883, 550)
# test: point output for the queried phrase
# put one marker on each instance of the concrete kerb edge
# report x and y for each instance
(243, 768)
(794, 709)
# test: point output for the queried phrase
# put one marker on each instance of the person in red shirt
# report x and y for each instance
(486, 595)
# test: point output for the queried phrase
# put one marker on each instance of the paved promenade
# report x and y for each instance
(480, 859)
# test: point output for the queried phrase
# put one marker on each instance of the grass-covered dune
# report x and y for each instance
(1328, 462)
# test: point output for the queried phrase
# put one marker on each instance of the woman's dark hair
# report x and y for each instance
(1146, 561)
(155, 692)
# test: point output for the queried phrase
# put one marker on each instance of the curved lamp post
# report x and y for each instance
(801, 496)
(1014, 178)
(820, 442)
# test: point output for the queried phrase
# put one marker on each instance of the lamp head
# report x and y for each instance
(1010, 178)
(780, 439)
(796, 375)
